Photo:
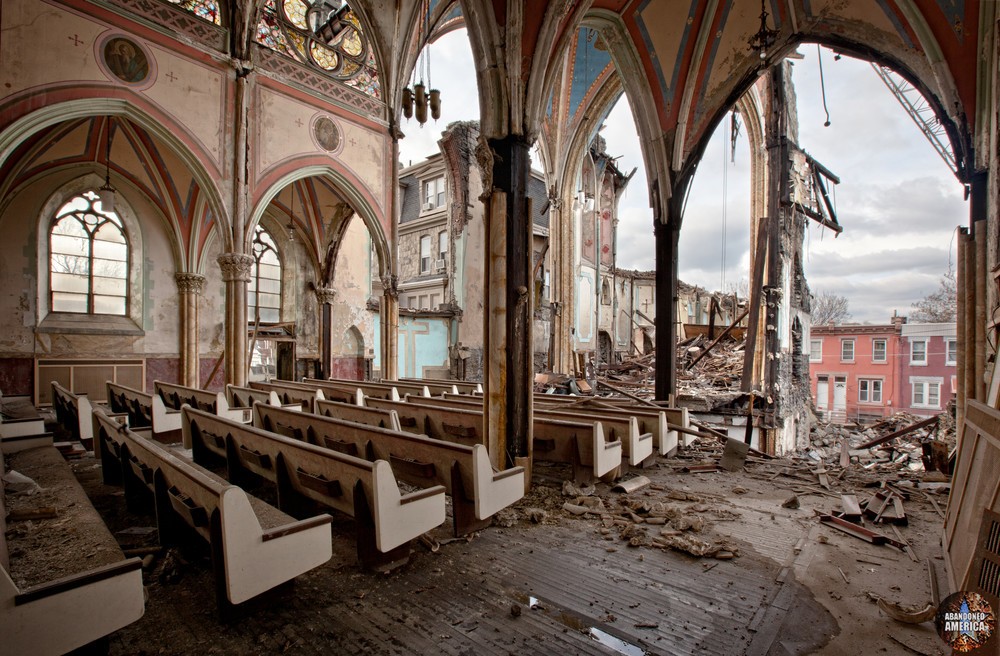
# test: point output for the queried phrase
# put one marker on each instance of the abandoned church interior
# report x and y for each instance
(266, 389)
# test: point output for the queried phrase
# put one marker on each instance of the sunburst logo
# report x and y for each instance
(965, 620)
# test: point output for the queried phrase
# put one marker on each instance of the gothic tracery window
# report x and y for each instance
(324, 34)
(205, 9)
(264, 289)
(88, 259)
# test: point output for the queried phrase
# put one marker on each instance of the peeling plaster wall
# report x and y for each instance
(350, 317)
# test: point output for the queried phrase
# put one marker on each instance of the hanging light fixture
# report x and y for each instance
(291, 217)
(765, 37)
(422, 96)
(106, 192)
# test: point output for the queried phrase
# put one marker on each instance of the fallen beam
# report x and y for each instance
(899, 433)
(860, 532)
(718, 339)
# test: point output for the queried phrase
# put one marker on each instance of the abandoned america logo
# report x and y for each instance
(965, 620)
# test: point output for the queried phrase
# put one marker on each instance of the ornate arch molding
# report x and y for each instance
(489, 49)
(23, 128)
(354, 198)
(655, 150)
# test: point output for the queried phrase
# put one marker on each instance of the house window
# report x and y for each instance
(926, 393)
(425, 254)
(88, 259)
(869, 390)
(442, 244)
(952, 351)
(815, 350)
(878, 350)
(918, 351)
(264, 288)
(847, 350)
(434, 193)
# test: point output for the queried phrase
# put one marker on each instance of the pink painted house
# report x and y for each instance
(868, 372)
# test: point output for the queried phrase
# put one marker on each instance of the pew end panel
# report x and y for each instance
(271, 557)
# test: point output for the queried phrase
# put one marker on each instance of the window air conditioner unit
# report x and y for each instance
(439, 265)
(428, 206)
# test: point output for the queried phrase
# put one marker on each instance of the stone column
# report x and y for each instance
(325, 296)
(189, 286)
(236, 274)
(389, 319)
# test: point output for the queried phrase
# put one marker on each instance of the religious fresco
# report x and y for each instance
(126, 60)
(326, 133)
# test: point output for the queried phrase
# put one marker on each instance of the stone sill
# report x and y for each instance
(86, 324)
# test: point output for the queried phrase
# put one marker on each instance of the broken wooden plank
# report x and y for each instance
(718, 339)
(902, 431)
(851, 507)
(860, 532)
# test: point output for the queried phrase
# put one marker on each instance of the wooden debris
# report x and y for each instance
(851, 508)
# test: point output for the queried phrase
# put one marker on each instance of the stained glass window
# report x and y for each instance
(88, 259)
(264, 289)
(205, 9)
(324, 34)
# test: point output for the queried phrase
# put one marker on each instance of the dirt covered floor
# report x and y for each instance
(583, 570)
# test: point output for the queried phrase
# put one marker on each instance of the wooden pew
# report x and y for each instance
(386, 519)
(581, 444)
(392, 390)
(465, 471)
(648, 419)
(358, 414)
(289, 392)
(50, 617)
(245, 397)
(175, 396)
(637, 446)
(437, 385)
(676, 417)
(254, 546)
(147, 413)
(21, 427)
(73, 413)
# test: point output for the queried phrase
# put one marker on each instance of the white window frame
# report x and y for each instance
(815, 354)
(433, 196)
(870, 390)
(913, 343)
(924, 384)
(442, 244)
(948, 344)
(843, 343)
(425, 254)
(885, 350)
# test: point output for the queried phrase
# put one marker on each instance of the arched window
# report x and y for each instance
(264, 289)
(88, 259)
(205, 9)
(324, 35)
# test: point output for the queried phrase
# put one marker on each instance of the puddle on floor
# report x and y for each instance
(580, 623)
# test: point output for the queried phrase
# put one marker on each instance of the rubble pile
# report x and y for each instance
(904, 452)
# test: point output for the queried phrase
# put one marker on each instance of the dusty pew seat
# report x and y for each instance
(60, 589)
(147, 413)
(290, 392)
(305, 475)
(359, 414)
(174, 396)
(338, 389)
(255, 547)
(581, 444)
(245, 397)
(73, 413)
(21, 427)
(637, 446)
(477, 491)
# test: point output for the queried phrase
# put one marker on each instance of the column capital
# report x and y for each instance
(325, 294)
(235, 267)
(390, 285)
(189, 283)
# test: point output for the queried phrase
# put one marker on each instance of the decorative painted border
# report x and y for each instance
(177, 19)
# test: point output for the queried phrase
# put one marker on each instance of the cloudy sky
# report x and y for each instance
(898, 201)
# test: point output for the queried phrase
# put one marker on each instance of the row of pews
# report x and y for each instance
(334, 447)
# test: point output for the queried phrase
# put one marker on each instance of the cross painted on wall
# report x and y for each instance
(171, 76)
(75, 39)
